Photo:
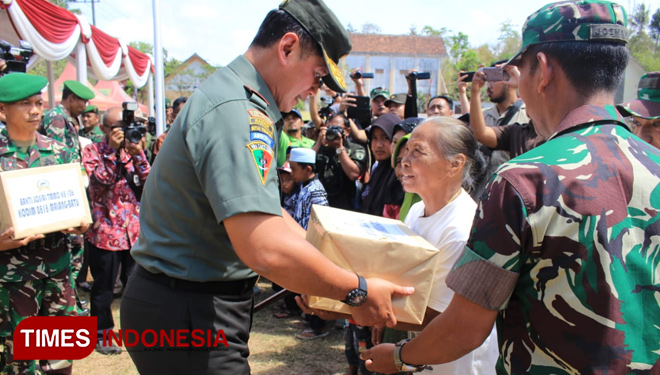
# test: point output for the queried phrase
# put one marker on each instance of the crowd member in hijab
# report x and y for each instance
(383, 187)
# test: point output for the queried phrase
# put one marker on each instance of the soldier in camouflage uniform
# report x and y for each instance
(90, 122)
(644, 111)
(564, 248)
(35, 271)
(59, 124)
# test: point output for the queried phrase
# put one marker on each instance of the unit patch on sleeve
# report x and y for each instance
(263, 156)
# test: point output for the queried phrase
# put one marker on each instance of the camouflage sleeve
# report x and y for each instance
(142, 167)
(55, 127)
(489, 267)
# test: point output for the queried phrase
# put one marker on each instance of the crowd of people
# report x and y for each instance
(543, 207)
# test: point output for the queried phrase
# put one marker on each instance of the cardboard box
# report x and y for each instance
(373, 246)
(43, 200)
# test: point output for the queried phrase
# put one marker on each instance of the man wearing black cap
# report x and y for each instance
(210, 216)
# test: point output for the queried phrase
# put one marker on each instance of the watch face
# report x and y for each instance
(357, 297)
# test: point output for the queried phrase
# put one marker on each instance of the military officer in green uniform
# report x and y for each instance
(211, 220)
(34, 271)
(90, 124)
(60, 122)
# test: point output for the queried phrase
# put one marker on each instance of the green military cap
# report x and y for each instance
(327, 31)
(168, 103)
(647, 104)
(579, 21)
(396, 98)
(91, 108)
(82, 91)
(379, 91)
(17, 86)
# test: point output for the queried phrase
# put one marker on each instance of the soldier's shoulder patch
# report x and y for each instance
(263, 156)
(261, 127)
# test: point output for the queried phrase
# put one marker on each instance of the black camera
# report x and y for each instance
(333, 132)
(359, 74)
(16, 58)
(420, 75)
(151, 125)
(326, 111)
(133, 131)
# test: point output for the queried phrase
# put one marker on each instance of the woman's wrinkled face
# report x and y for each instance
(423, 168)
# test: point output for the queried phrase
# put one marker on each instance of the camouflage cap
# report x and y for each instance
(647, 104)
(18, 86)
(578, 21)
(322, 24)
(396, 98)
(379, 91)
(81, 91)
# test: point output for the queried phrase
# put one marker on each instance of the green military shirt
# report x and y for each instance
(59, 125)
(96, 135)
(218, 161)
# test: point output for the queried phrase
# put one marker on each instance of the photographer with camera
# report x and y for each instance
(508, 109)
(117, 168)
(339, 162)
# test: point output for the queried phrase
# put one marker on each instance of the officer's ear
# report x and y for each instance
(2, 108)
(288, 43)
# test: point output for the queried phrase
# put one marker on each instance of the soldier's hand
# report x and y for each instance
(7, 243)
(377, 309)
(116, 138)
(79, 230)
(303, 303)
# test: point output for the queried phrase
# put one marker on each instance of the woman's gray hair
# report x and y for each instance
(454, 138)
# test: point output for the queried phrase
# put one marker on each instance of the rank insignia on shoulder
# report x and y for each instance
(263, 156)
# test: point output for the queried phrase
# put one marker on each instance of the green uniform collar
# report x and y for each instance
(253, 82)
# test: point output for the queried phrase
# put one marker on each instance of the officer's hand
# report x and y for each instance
(461, 84)
(7, 243)
(347, 101)
(380, 358)
(378, 307)
(478, 81)
(116, 138)
(133, 148)
(79, 230)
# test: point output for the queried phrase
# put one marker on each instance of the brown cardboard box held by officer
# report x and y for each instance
(43, 200)
(373, 246)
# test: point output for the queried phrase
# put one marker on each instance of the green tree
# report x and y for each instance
(508, 43)
(640, 18)
(654, 26)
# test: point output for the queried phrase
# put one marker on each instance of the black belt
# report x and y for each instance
(232, 288)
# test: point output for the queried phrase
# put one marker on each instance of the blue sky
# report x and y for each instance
(219, 30)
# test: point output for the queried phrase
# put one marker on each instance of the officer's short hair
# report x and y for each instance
(66, 92)
(591, 67)
(179, 102)
(276, 24)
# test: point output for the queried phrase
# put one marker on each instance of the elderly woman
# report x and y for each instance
(440, 161)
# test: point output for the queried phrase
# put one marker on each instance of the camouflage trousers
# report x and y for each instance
(75, 242)
(51, 296)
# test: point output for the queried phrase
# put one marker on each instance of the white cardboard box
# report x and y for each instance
(43, 199)
(373, 246)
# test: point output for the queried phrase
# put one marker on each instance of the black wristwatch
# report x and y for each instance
(357, 296)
